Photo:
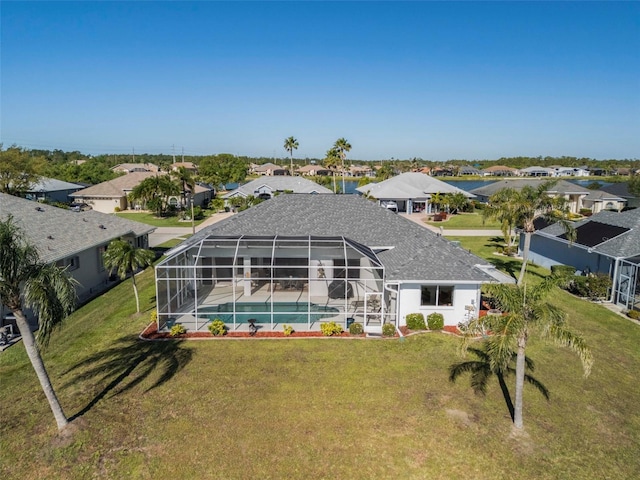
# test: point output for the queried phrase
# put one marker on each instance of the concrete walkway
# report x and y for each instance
(164, 234)
(448, 232)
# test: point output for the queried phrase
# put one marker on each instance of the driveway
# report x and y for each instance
(164, 234)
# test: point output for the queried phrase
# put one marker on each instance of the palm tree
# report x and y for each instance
(27, 282)
(291, 144)
(481, 372)
(503, 206)
(527, 205)
(527, 313)
(124, 258)
(331, 161)
(342, 147)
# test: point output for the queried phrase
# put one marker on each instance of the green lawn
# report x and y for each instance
(467, 221)
(312, 408)
(151, 219)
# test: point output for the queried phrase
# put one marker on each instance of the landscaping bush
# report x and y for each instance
(563, 271)
(287, 330)
(435, 321)
(217, 328)
(634, 314)
(177, 329)
(598, 285)
(511, 251)
(579, 287)
(415, 321)
(388, 330)
(356, 329)
(117, 209)
(330, 328)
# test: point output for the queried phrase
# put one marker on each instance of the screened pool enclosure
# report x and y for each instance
(271, 281)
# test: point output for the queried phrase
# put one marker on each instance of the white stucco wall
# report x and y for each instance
(463, 295)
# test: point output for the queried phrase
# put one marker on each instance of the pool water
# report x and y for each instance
(283, 312)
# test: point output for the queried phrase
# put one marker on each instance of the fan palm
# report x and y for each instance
(125, 259)
(25, 281)
(527, 313)
(291, 144)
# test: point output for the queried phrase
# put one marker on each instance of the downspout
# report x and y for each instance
(614, 284)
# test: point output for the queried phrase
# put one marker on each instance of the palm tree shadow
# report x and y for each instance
(481, 372)
(127, 364)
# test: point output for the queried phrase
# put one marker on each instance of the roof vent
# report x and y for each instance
(102, 227)
(50, 237)
(39, 209)
(84, 220)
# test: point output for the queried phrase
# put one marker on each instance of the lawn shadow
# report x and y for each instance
(509, 265)
(128, 363)
(481, 372)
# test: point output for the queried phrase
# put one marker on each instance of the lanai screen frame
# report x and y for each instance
(187, 278)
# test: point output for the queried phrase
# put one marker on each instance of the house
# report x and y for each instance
(52, 190)
(313, 170)
(112, 195)
(360, 171)
(304, 259)
(468, 170)
(607, 242)
(270, 169)
(135, 167)
(537, 172)
(560, 171)
(411, 191)
(622, 190)
(268, 188)
(189, 166)
(75, 240)
(571, 192)
(499, 171)
(598, 200)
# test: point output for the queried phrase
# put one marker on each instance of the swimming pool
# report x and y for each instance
(283, 312)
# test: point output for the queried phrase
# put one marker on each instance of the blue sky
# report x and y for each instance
(438, 81)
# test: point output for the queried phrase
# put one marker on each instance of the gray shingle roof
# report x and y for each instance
(623, 246)
(69, 232)
(117, 187)
(561, 186)
(280, 183)
(411, 253)
(53, 185)
(411, 185)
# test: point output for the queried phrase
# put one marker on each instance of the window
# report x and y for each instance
(436, 295)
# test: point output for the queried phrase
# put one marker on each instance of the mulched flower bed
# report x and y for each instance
(447, 328)
(151, 333)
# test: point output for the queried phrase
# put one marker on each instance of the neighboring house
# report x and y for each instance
(411, 191)
(313, 170)
(360, 171)
(135, 167)
(268, 188)
(622, 190)
(598, 200)
(52, 190)
(108, 196)
(190, 166)
(75, 240)
(499, 171)
(467, 170)
(105, 197)
(537, 172)
(572, 193)
(270, 169)
(560, 171)
(607, 242)
(305, 259)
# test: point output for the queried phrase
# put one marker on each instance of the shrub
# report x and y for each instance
(598, 285)
(117, 209)
(435, 321)
(415, 321)
(177, 329)
(356, 329)
(330, 328)
(217, 204)
(578, 286)
(563, 271)
(634, 314)
(509, 251)
(217, 328)
(287, 330)
(388, 330)
(153, 316)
